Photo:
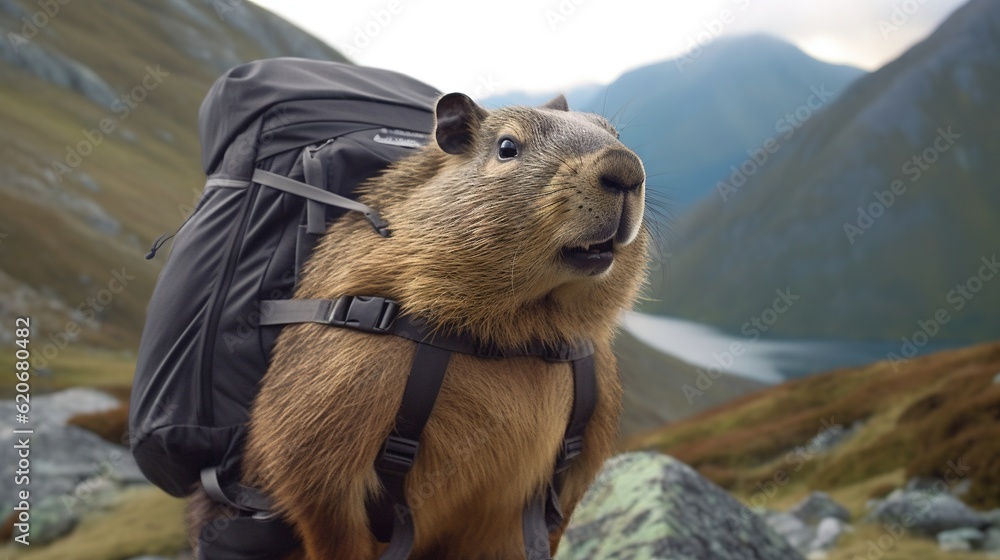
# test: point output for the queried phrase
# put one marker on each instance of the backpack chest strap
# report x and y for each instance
(382, 316)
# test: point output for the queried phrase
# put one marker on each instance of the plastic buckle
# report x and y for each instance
(364, 313)
(380, 225)
(570, 450)
(397, 456)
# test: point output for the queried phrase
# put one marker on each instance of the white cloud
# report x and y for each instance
(555, 44)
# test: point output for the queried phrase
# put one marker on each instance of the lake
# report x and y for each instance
(770, 360)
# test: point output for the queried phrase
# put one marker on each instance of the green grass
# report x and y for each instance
(76, 367)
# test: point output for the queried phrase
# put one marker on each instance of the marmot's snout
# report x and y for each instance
(609, 212)
(620, 172)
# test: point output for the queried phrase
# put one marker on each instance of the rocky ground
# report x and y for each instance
(72, 471)
(643, 505)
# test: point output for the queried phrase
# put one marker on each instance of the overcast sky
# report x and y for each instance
(546, 45)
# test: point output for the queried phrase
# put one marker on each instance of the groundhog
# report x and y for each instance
(513, 225)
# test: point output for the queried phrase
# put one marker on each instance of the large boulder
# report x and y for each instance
(648, 506)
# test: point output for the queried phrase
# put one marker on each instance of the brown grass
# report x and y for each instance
(923, 418)
(110, 424)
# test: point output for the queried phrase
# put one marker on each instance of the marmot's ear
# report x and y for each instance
(456, 121)
(558, 103)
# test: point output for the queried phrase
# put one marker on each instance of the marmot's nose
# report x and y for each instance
(621, 170)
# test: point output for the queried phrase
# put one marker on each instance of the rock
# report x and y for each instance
(827, 533)
(88, 182)
(817, 506)
(164, 135)
(991, 541)
(962, 539)
(70, 465)
(831, 437)
(58, 69)
(806, 538)
(962, 488)
(996, 379)
(927, 513)
(56, 408)
(992, 517)
(62, 456)
(792, 528)
(649, 506)
(50, 519)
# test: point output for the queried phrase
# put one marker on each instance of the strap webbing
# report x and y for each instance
(312, 193)
(584, 402)
(380, 315)
(289, 311)
(536, 534)
(236, 495)
(543, 515)
(390, 514)
(312, 169)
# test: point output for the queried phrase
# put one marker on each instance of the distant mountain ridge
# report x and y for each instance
(881, 212)
(690, 119)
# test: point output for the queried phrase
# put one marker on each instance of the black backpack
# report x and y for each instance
(284, 144)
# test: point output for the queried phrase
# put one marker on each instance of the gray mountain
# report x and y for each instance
(880, 212)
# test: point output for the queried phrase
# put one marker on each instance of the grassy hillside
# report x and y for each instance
(78, 204)
(653, 383)
(879, 211)
(912, 421)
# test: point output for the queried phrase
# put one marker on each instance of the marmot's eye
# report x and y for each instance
(507, 148)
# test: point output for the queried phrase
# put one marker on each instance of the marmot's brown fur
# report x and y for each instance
(490, 229)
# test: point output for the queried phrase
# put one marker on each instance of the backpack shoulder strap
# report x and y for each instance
(390, 516)
(543, 515)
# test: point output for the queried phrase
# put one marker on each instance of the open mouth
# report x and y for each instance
(592, 259)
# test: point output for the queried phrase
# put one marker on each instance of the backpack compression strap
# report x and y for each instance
(316, 194)
(390, 517)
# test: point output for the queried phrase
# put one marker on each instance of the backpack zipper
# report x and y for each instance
(215, 309)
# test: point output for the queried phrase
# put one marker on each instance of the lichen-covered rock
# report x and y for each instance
(649, 506)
